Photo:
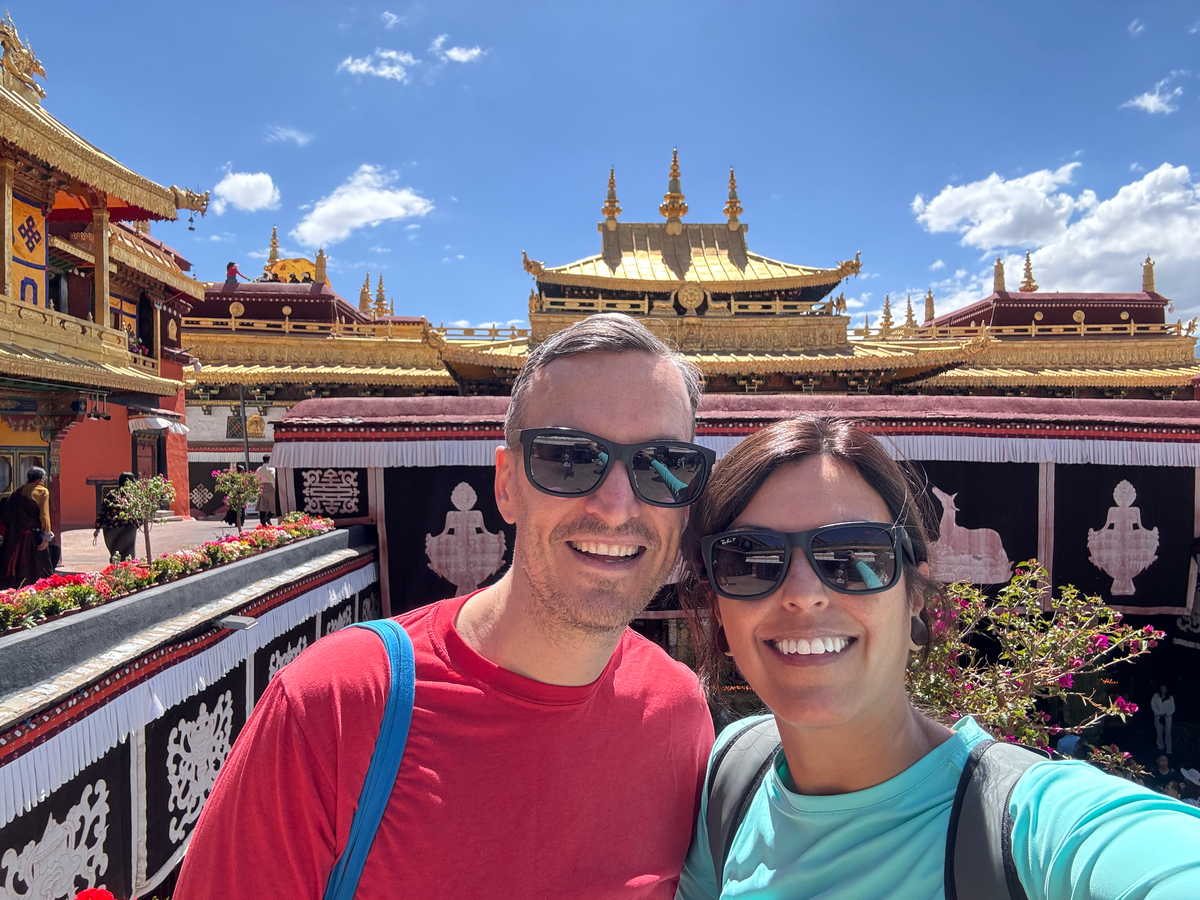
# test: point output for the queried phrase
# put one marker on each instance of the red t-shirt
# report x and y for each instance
(508, 787)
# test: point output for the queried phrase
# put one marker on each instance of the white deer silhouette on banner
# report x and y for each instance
(974, 555)
(1123, 547)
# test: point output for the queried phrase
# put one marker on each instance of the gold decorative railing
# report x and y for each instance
(1132, 329)
(489, 333)
(301, 328)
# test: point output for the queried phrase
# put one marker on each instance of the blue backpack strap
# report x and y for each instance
(385, 761)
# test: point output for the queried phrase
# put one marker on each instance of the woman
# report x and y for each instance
(857, 802)
(235, 516)
(120, 534)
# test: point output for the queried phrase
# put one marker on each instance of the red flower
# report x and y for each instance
(95, 894)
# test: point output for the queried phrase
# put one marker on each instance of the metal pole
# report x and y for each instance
(245, 431)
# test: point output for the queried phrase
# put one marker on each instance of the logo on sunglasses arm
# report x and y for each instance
(465, 553)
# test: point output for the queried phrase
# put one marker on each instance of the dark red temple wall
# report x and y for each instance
(177, 458)
(92, 448)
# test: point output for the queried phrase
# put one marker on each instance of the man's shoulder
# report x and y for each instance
(648, 669)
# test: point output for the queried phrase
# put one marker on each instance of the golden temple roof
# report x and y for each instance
(646, 257)
(1061, 376)
(44, 365)
(400, 376)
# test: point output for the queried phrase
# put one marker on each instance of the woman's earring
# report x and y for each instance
(722, 641)
(918, 634)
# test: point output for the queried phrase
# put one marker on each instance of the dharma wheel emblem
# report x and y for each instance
(1123, 547)
(690, 295)
(465, 553)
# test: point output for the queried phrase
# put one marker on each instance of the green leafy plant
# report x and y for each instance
(239, 489)
(142, 499)
(997, 660)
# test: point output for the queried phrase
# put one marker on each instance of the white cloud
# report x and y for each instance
(1136, 28)
(937, 265)
(365, 199)
(1159, 100)
(459, 256)
(454, 54)
(249, 191)
(1194, 28)
(412, 226)
(997, 212)
(1136, 167)
(391, 20)
(296, 136)
(1100, 249)
(381, 249)
(390, 64)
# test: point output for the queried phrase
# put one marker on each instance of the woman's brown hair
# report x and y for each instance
(738, 477)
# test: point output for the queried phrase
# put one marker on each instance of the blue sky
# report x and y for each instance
(434, 142)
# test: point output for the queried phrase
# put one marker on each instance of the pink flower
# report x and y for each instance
(1066, 680)
(1099, 642)
(1135, 646)
(1124, 706)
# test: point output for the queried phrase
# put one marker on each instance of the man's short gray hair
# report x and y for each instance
(599, 333)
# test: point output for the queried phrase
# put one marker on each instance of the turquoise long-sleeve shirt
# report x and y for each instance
(1078, 834)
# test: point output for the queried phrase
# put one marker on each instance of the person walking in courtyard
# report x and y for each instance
(553, 752)
(26, 525)
(267, 506)
(808, 564)
(1162, 704)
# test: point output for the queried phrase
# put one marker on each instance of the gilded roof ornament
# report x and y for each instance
(319, 275)
(364, 295)
(910, 320)
(930, 315)
(189, 199)
(611, 208)
(273, 256)
(1148, 275)
(1028, 285)
(535, 302)
(18, 59)
(886, 323)
(998, 276)
(733, 208)
(673, 207)
(533, 266)
(380, 299)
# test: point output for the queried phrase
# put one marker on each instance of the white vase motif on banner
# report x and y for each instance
(69, 852)
(1124, 547)
(465, 553)
(972, 555)
(195, 753)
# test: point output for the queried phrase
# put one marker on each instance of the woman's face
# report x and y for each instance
(829, 689)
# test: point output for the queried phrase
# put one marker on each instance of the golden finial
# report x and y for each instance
(910, 320)
(319, 275)
(930, 315)
(380, 299)
(273, 256)
(885, 321)
(534, 267)
(19, 60)
(1028, 285)
(392, 307)
(733, 208)
(611, 208)
(998, 276)
(1148, 275)
(673, 206)
(535, 302)
(364, 295)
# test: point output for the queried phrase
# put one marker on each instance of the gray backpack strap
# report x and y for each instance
(979, 837)
(733, 779)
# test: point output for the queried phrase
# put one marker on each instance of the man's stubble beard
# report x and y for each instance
(606, 605)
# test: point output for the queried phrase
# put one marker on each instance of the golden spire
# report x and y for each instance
(733, 208)
(1028, 285)
(364, 295)
(611, 208)
(930, 315)
(1148, 275)
(392, 307)
(380, 299)
(885, 321)
(910, 320)
(273, 256)
(998, 276)
(319, 275)
(673, 206)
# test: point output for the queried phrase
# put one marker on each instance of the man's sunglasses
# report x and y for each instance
(568, 463)
(850, 558)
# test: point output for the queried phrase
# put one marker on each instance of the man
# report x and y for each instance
(553, 752)
(1162, 705)
(266, 494)
(26, 526)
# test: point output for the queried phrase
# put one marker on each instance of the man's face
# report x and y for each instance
(594, 562)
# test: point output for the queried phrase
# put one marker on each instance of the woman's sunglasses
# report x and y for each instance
(568, 463)
(850, 558)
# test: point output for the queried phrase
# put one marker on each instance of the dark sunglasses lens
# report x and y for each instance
(748, 563)
(668, 474)
(566, 464)
(855, 559)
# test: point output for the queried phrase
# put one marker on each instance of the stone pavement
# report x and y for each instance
(80, 556)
